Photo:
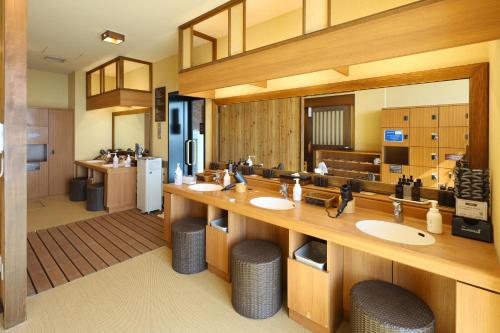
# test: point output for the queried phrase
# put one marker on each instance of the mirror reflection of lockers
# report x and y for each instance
(131, 127)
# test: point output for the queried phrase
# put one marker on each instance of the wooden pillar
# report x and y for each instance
(13, 184)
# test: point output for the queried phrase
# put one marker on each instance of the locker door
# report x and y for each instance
(396, 118)
(454, 115)
(425, 157)
(61, 150)
(424, 137)
(424, 117)
(454, 137)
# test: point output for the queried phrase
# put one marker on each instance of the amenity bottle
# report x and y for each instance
(227, 178)
(434, 219)
(178, 175)
(297, 191)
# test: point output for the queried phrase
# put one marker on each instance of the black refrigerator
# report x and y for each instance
(186, 135)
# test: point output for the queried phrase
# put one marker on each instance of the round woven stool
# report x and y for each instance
(378, 306)
(256, 279)
(188, 245)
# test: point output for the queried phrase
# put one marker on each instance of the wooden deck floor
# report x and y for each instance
(68, 252)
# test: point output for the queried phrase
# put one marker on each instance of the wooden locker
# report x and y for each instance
(429, 176)
(61, 150)
(424, 137)
(424, 116)
(396, 118)
(453, 137)
(37, 117)
(406, 140)
(37, 135)
(425, 157)
(446, 177)
(454, 115)
(448, 157)
(392, 177)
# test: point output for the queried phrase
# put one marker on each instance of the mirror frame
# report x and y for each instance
(147, 126)
(477, 74)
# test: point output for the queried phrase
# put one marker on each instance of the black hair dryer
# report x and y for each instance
(346, 196)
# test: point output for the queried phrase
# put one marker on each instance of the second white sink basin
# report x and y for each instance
(395, 232)
(272, 203)
(205, 187)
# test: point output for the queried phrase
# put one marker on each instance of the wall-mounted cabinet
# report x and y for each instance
(120, 82)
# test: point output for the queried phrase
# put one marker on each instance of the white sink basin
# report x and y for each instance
(205, 187)
(272, 203)
(395, 232)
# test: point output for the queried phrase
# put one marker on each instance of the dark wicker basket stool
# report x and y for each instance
(256, 278)
(95, 197)
(378, 306)
(78, 189)
(188, 245)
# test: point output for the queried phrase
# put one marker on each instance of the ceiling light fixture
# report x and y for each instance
(112, 37)
(55, 59)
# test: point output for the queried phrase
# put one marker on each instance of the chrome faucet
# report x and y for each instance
(284, 190)
(398, 212)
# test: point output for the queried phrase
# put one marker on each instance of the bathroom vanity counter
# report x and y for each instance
(461, 259)
(120, 184)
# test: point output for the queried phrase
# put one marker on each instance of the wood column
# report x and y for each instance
(13, 184)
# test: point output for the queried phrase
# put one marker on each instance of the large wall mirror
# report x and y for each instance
(131, 127)
(376, 130)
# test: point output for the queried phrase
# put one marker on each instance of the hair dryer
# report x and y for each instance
(346, 196)
(239, 179)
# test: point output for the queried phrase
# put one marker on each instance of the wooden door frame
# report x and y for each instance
(13, 183)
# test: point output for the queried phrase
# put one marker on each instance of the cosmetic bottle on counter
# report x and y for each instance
(128, 162)
(178, 175)
(415, 190)
(297, 191)
(434, 219)
(227, 178)
(399, 189)
(116, 161)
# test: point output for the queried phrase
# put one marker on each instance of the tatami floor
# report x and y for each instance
(57, 210)
(142, 294)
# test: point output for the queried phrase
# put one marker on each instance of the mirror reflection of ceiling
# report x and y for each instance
(71, 30)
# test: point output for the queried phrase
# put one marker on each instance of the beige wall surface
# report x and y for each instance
(47, 89)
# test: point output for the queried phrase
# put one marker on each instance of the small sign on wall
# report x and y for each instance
(158, 130)
(393, 135)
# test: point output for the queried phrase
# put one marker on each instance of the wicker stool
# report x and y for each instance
(378, 306)
(256, 278)
(95, 197)
(188, 245)
(78, 189)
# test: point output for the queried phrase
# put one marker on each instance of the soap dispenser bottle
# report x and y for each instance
(249, 161)
(178, 175)
(128, 161)
(115, 161)
(297, 191)
(227, 178)
(434, 219)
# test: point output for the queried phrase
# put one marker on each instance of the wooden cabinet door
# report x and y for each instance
(217, 249)
(454, 115)
(37, 181)
(396, 118)
(424, 137)
(309, 292)
(391, 177)
(429, 176)
(37, 135)
(424, 117)
(477, 310)
(37, 117)
(448, 157)
(61, 150)
(422, 156)
(454, 137)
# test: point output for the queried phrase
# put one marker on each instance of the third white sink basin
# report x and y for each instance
(205, 187)
(395, 232)
(272, 203)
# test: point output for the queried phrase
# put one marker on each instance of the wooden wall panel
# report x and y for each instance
(436, 291)
(360, 266)
(38, 182)
(269, 130)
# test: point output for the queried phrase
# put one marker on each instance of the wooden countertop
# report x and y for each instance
(103, 167)
(458, 258)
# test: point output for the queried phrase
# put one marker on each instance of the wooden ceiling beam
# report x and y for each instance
(422, 26)
(260, 84)
(344, 70)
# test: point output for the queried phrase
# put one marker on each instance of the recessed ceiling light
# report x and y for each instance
(112, 37)
(56, 59)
